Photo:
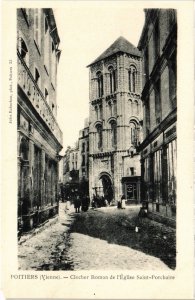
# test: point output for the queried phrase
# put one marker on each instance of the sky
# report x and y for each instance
(85, 31)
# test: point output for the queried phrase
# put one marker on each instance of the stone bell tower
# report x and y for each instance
(114, 116)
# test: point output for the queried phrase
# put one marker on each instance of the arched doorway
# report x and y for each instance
(107, 186)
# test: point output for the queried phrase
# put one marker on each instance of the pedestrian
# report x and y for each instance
(85, 204)
(77, 204)
(68, 203)
(93, 202)
(123, 204)
(119, 204)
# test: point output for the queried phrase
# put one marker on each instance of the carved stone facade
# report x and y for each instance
(114, 118)
(39, 136)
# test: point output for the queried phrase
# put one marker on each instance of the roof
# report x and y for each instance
(120, 45)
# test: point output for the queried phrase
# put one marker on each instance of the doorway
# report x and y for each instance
(107, 187)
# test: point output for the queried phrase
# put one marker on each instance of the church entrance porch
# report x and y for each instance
(107, 188)
(104, 188)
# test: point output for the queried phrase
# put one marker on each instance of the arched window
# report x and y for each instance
(100, 84)
(96, 111)
(112, 79)
(114, 133)
(100, 109)
(99, 134)
(110, 107)
(132, 73)
(134, 134)
(136, 110)
(130, 107)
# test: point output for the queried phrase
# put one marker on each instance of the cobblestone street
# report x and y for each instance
(71, 243)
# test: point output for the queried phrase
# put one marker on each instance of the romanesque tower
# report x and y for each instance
(114, 116)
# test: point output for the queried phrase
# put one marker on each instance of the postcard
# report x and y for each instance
(97, 150)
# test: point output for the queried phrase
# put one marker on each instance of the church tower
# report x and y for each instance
(114, 116)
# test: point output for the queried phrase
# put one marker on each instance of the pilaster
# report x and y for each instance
(31, 164)
(42, 178)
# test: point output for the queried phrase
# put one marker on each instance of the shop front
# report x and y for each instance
(131, 189)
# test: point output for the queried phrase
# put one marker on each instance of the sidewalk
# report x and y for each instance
(58, 218)
(43, 249)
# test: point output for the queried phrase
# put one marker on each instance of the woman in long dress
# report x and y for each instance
(123, 200)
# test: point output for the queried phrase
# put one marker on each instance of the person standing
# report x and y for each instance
(123, 201)
(77, 204)
(85, 203)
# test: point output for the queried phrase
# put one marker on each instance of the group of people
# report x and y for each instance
(99, 201)
(81, 202)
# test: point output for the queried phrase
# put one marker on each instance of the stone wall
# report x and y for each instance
(119, 107)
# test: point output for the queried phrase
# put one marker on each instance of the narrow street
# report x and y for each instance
(102, 239)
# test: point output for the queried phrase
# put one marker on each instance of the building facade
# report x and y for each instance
(39, 136)
(158, 44)
(115, 117)
(84, 159)
(71, 161)
(76, 165)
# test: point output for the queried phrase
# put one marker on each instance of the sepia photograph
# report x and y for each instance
(114, 189)
(97, 150)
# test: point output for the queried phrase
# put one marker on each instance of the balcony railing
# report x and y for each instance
(35, 96)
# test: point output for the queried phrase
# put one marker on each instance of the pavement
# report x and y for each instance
(100, 239)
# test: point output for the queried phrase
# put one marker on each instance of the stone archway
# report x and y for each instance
(107, 186)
